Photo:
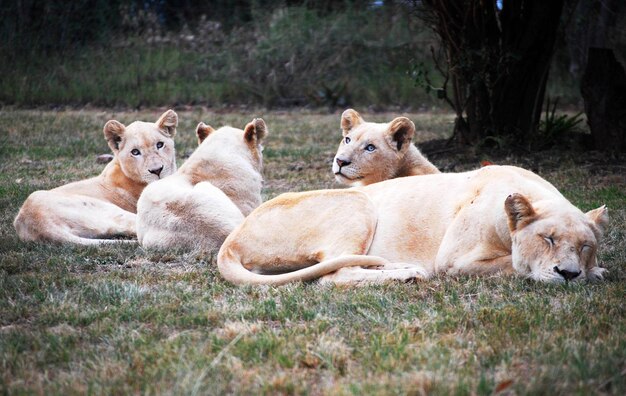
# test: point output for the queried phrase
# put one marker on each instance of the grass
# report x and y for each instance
(122, 319)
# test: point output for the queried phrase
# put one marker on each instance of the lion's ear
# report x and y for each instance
(400, 133)
(519, 211)
(167, 123)
(113, 133)
(349, 120)
(255, 131)
(203, 131)
(600, 217)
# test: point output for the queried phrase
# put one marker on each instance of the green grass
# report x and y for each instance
(121, 319)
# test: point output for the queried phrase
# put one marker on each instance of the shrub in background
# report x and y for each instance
(135, 53)
(282, 56)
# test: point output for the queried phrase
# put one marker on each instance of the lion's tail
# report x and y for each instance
(231, 268)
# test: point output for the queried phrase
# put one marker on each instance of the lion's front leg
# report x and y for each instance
(481, 260)
(379, 274)
(473, 246)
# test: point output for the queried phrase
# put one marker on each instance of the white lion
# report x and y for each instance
(209, 196)
(93, 211)
(498, 219)
(371, 152)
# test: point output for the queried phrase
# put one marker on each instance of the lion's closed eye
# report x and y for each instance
(586, 249)
(549, 240)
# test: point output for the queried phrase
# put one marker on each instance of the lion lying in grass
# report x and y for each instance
(209, 195)
(371, 152)
(498, 219)
(95, 210)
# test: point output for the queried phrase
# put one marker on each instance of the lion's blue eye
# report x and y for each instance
(370, 148)
(347, 140)
(159, 145)
(135, 152)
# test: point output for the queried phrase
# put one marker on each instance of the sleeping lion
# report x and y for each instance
(497, 219)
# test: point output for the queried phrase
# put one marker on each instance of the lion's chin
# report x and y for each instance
(150, 178)
(343, 177)
(549, 276)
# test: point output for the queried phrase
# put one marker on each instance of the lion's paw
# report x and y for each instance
(359, 275)
(597, 274)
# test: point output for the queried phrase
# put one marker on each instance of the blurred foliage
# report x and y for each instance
(285, 53)
(52, 25)
(57, 25)
(316, 53)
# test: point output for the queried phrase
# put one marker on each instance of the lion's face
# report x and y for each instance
(371, 152)
(145, 150)
(554, 243)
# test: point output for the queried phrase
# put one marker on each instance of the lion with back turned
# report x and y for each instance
(209, 195)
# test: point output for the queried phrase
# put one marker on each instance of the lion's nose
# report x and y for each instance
(156, 171)
(341, 162)
(567, 275)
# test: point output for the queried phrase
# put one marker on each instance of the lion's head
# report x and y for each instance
(144, 150)
(552, 242)
(232, 160)
(233, 145)
(371, 152)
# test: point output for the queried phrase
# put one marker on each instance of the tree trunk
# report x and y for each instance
(500, 52)
(605, 20)
(603, 89)
(577, 37)
(528, 35)
(500, 59)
